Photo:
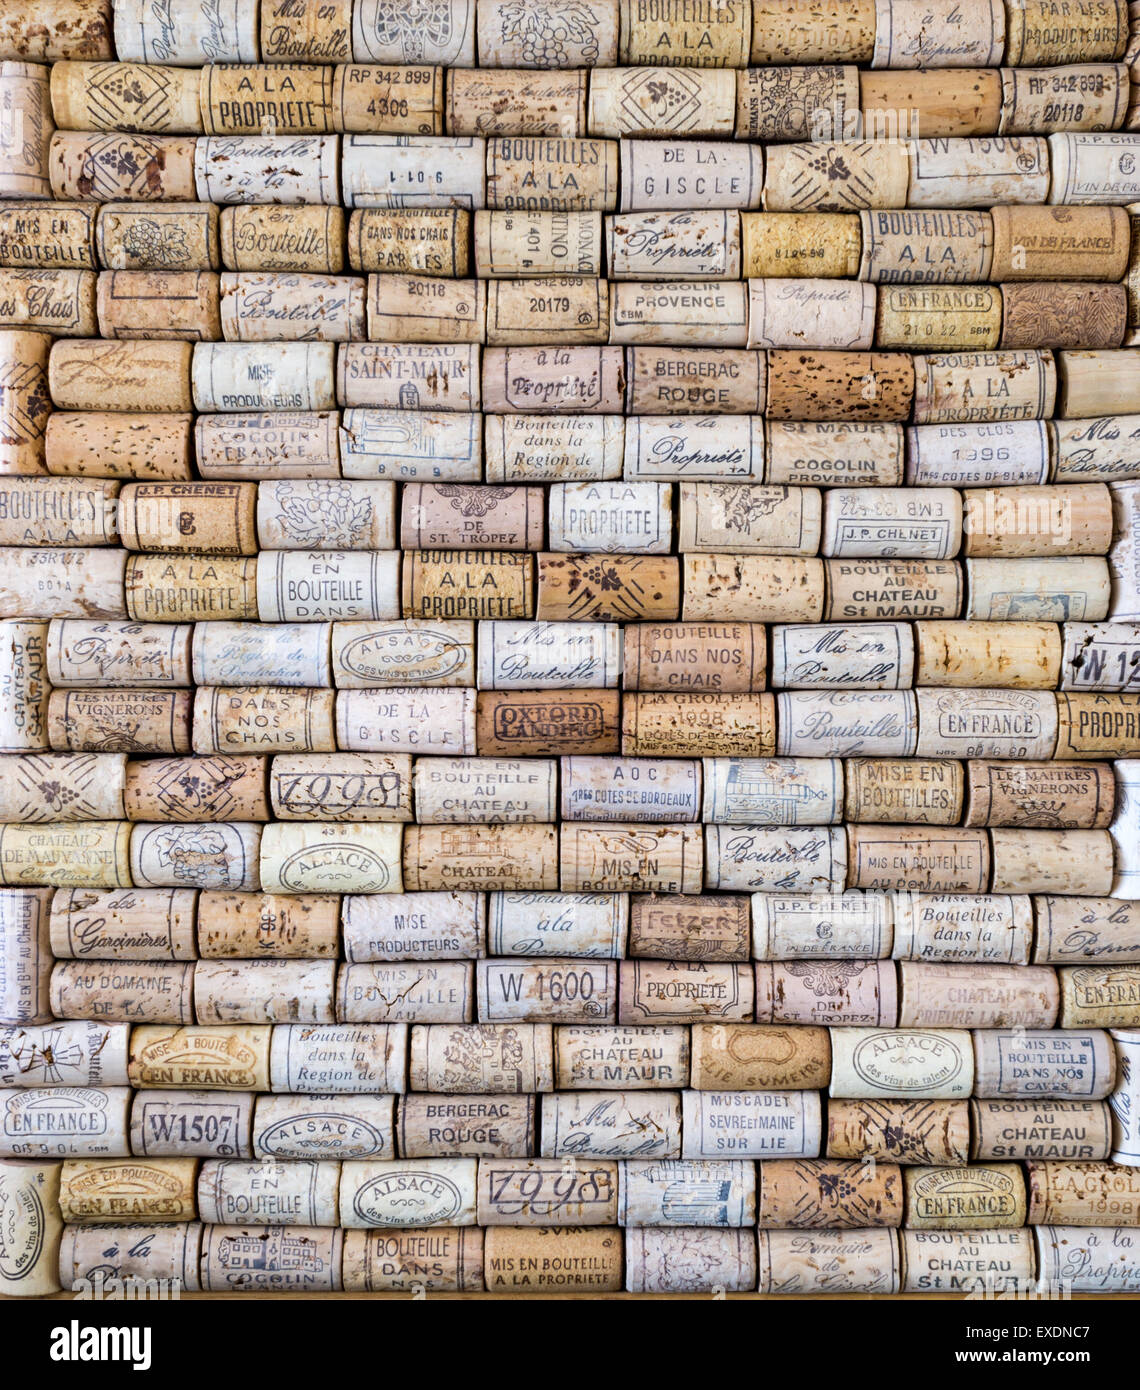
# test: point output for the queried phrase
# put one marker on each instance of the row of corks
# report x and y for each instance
(181, 924)
(595, 33)
(1007, 243)
(556, 311)
(758, 103)
(580, 173)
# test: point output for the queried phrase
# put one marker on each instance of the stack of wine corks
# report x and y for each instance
(569, 646)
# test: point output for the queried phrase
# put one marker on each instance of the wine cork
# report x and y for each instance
(537, 243)
(95, 444)
(1029, 1129)
(29, 1207)
(617, 858)
(677, 312)
(417, 308)
(534, 656)
(127, 720)
(547, 1192)
(414, 926)
(1046, 244)
(772, 791)
(217, 854)
(1124, 553)
(560, 990)
(83, 854)
(104, 167)
(407, 721)
(532, 37)
(62, 29)
(85, 583)
(65, 1122)
(1071, 930)
(467, 584)
(689, 1260)
(938, 995)
(995, 723)
(308, 514)
(273, 444)
(970, 387)
(338, 1058)
(802, 992)
(977, 1197)
(942, 35)
(413, 171)
(778, 860)
(613, 588)
(192, 516)
(1010, 453)
(1087, 1259)
(508, 101)
(1052, 861)
(482, 1058)
(413, 652)
(838, 386)
(1123, 1147)
(166, 588)
(926, 1064)
(978, 171)
(830, 724)
(401, 1192)
(548, 174)
(1093, 168)
(844, 176)
(695, 381)
(26, 104)
(916, 247)
(941, 317)
(94, 375)
(683, 447)
(443, 517)
(201, 1124)
(796, 245)
(1095, 383)
(1057, 795)
(252, 925)
(598, 1058)
(324, 1127)
(796, 103)
(302, 857)
(1097, 725)
(937, 103)
(611, 517)
(56, 512)
(138, 97)
(60, 302)
(25, 691)
(301, 1193)
(916, 791)
(247, 654)
(728, 658)
(271, 376)
(683, 723)
(789, 1195)
(445, 858)
(411, 444)
(411, 241)
(267, 168)
(158, 237)
(634, 102)
(317, 308)
(199, 33)
(557, 924)
(979, 929)
(552, 1259)
(803, 31)
(346, 786)
(378, 36)
(1099, 996)
(247, 99)
(499, 791)
(707, 928)
(283, 239)
(271, 1259)
(98, 1256)
(149, 923)
(1049, 1065)
(759, 1057)
(587, 380)
(264, 991)
(820, 926)
(37, 787)
(26, 960)
(673, 245)
(25, 402)
(899, 1131)
(443, 1259)
(684, 992)
(1040, 33)
(867, 657)
(751, 588)
(748, 517)
(750, 1124)
(608, 1124)
(231, 1058)
(395, 100)
(1038, 590)
(311, 31)
(831, 314)
(523, 449)
(1063, 316)
(664, 175)
(630, 789)
(317, 585)
(417, 993)
(409, 375)
(1087, 450)
(674, 35)
(138, 991)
